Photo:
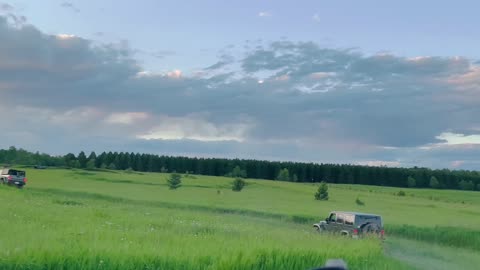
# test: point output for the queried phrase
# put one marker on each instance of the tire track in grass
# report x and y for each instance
(87, 195)
(422, 255)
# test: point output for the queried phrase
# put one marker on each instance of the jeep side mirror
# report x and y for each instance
(327, 220)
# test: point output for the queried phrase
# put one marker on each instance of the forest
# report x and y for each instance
(248, 168)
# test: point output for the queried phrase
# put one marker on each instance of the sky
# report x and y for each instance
(393, 83)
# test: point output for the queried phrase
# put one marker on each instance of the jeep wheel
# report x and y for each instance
(370, 229)
(319, 229)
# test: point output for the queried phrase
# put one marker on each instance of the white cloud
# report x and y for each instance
(316, 17)
(264, 14)
(175, 74)
(195, 128)
(65, 36)
(379, 163)
(321, 75)
(126, 118)
(455, 138)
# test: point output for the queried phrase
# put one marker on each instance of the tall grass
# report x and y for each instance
(450, 236)
(49, 230)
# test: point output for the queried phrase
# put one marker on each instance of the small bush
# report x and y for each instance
(401, 193)
(359, 202)
(238, 184)
(322, 192)
(174, 181)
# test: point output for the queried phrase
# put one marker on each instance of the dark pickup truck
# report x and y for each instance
(13, 177)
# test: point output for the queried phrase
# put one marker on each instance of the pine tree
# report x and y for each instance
(82, 159)
(322, 192)
(174, 181)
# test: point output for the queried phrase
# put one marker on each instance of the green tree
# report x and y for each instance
(92, 156)
(434, 182)
(295, 178)
(70, 160)
(112, 166)
(411, 182)
(478, 186)
(237, 172)
(174, 181)
(238, 184)
(322, 192)
(82, 159)
(91, 164)
(283, 175)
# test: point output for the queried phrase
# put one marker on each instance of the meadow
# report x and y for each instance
(76, 219)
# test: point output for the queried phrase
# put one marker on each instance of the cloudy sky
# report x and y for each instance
(360, 82)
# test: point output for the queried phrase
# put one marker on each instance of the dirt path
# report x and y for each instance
(421, 255)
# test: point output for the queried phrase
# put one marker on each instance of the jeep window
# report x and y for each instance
(12, 172)
(333, 217)
(340, 219)
(349, 219)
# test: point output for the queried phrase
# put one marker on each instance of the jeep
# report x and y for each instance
(13, 177)
(352, 224)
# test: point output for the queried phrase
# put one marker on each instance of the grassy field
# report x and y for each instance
(73, 219)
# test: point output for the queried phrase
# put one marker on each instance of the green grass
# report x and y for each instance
(73, 219)
(421, 255)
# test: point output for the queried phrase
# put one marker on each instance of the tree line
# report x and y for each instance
(249, 168)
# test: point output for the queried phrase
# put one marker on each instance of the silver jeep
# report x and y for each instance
(352, 224)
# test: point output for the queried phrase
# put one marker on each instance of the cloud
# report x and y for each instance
(126, 118)
(316, 17)
(450, 138)
(264, 14)
(314, 103)
(71, 6)
(6, 7)
(195, 128)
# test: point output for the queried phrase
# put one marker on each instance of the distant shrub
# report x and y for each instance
(112, 166)
(359, 202)
(129, 170)
(238, 184)
(283, 175)
(322, 192)
(401, 193)
(174, 181)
